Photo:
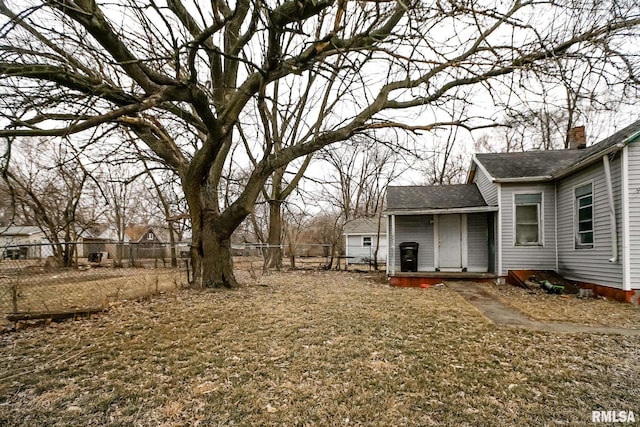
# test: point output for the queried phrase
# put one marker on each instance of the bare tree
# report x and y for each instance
(447, 163)
(183, 77)
(46, 184)
(295, 222)
(357, 174)
(7, 205)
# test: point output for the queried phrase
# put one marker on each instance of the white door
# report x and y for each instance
(450, 245)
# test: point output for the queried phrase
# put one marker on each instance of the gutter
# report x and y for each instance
(612, 210)
(591, 159)
(525, 179)
(443, 211)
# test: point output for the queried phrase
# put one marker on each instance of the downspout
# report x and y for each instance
(499, 219)
(612, 210)
(555, 219)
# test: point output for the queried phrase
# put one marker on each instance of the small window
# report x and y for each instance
(149, 236)
(527, 221)
(366, 241)
(584, 216)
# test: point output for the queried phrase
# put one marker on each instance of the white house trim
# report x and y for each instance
(436, 241)
(626, 243)
(464, 237)
(482, 168)
(541, 211)
(555, 221)
(445, 211)
(500, 209)
(612, 210)
(392, 244)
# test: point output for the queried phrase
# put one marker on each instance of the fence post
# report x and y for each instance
(14, 296)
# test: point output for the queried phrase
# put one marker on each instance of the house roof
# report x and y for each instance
(432, 197)
(365, 226)
(549, 164)
(539, 164)
(19, 230)
(136, 232)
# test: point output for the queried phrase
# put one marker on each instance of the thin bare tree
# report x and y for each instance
(45, 184)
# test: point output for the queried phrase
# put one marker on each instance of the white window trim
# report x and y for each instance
(577, 247)
(370, 240)
(540, 242)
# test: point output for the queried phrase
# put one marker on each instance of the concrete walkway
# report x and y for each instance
(503, 315)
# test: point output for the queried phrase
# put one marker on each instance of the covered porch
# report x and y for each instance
(450, 232)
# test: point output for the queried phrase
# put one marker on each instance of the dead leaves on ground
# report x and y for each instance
(308, 348)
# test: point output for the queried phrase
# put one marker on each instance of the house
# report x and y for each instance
(22, 242)
(574, 211)
(361, 240)
(140, 241)
(145, 242)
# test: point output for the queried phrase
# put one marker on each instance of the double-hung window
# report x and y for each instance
(366, 241)
(584, 216)
(527, 219)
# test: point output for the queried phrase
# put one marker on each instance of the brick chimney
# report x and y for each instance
(577, 138)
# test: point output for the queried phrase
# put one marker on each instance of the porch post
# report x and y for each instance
(391, 260)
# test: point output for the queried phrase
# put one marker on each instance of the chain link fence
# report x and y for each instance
(35, 283)
(365, 257)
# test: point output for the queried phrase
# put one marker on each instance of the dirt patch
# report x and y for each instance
(536, 278)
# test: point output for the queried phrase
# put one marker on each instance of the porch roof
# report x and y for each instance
(456, 198)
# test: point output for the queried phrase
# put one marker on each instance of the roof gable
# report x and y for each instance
(137, 232)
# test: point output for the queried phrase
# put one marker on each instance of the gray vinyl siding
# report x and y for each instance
(634, 213)
(542, 257)
(591, 264)
(415, 228)
(488, 189)
(355, 249)
(477, 242)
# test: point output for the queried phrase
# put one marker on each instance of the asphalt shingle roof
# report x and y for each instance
(547, 163)
(365, 226)
(434, 197)
(19, 230)
(528, 163)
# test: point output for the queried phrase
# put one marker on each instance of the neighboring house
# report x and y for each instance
(145, 242)
(22, 242)
(140, 241)
(361, 239)
(574, 211)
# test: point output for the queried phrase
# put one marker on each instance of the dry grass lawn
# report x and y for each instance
(310, 348)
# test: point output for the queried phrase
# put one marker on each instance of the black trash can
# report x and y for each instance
(409, 256)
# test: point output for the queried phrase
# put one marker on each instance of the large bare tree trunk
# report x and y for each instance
(211, 255)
